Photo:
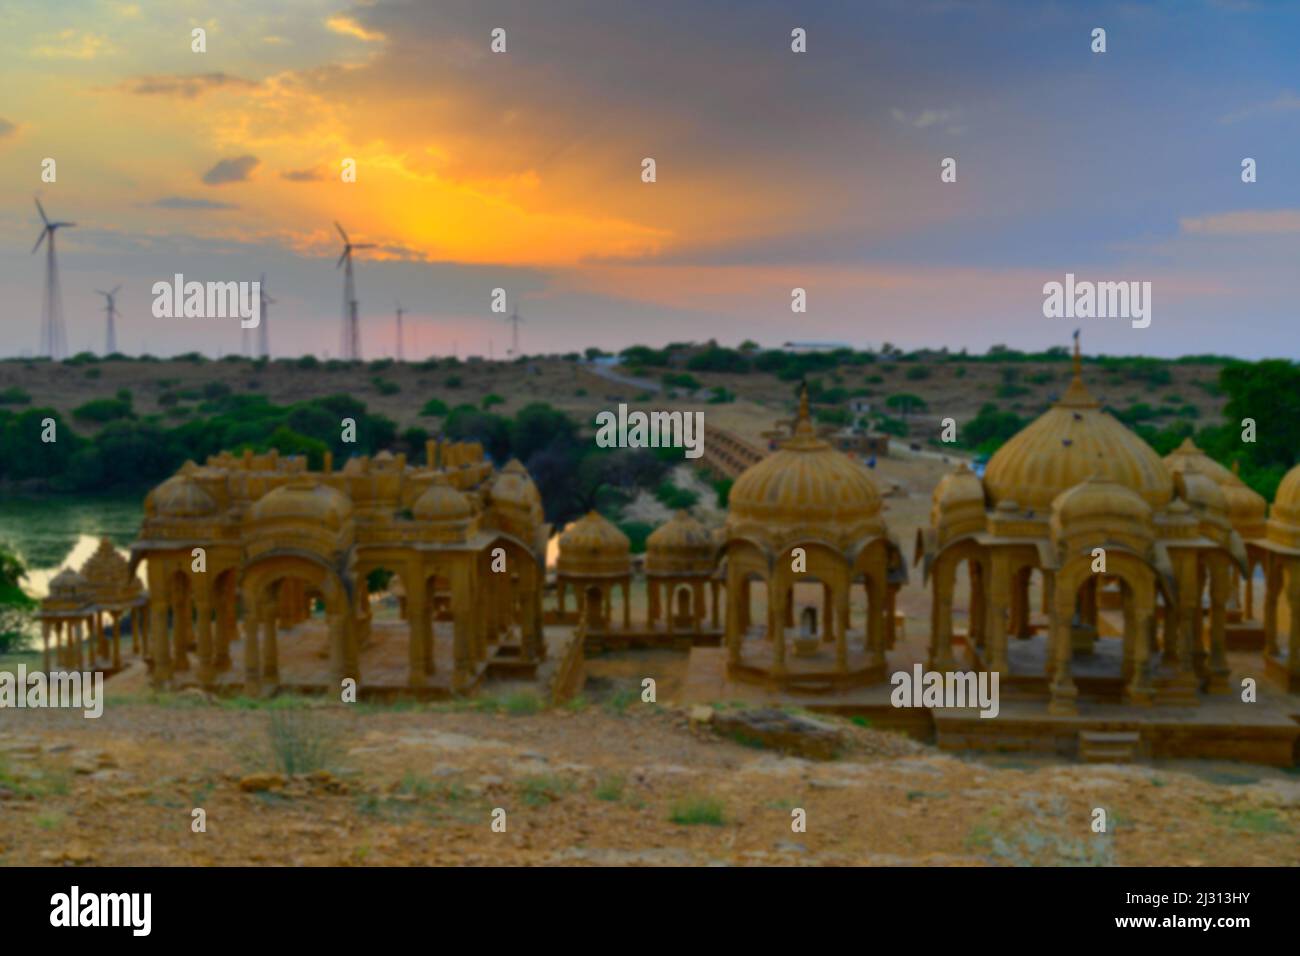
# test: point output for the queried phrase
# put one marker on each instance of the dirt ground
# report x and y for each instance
(608, 780)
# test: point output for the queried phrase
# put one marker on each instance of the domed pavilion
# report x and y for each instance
(1278, 551)
(681, 556)
(595, 558)
(264, 541)
(1084, 504)
(807, 518)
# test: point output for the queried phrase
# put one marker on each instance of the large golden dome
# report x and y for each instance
(592, 545)
(680, 545)
(805, 490)
(1064, 446)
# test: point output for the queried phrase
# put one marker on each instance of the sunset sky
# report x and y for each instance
(775, 169)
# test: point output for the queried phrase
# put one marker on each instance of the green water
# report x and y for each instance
(48, 532)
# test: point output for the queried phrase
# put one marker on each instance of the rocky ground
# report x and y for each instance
(608, 780)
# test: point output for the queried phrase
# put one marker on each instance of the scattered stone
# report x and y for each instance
(261, 782)
(701, 714)
(775, 729)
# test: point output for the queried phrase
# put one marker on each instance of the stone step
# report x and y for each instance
(1108, 746)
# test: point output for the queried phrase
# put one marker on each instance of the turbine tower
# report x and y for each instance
(110, 313)
(263, 335)
(54, 339)
(351, 331)
(400, 312)
(514, 321)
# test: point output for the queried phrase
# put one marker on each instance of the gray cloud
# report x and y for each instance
(187, 202)
(302, 175)
(186, 86)
(6, 128)
(233, 170)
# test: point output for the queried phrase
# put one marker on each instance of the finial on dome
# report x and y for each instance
(1078, 357)
(803, 402)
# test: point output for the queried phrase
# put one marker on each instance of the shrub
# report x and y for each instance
(434, 408)
(13, 395)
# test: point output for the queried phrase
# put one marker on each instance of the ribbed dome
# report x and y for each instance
(67, 584)
(182, 497)
(442, 502)
(680, 545)
(305, 500)
(1189, 456)
(515, 486)
(1247, 509)
(593, 545)
(957, 506)
(1103, 505)
(108, 574)
(1284, 518)
(1064, 446)
(806, 489)
(1204, 495)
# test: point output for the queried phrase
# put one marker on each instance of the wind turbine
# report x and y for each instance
(514, 321)
(263, 335)
(351, 331)
(110, 313)
(400, 312)
(54, 340)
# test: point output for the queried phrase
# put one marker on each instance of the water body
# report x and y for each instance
(51, 533)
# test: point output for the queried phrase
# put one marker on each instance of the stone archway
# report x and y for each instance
(259, 584)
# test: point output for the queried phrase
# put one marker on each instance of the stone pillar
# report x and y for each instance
(878, 620)
(45, 644)
(652, 601)
(891, 622)
(1293, 638)
(627, 604)
(940, 658)
(778, 613)
(181, 615)
(117, 640)
(225, 628)
(1138, 645)
(158, 641)
(252, 655)
(737, 593)
(1064, 693)
(1272, 590)
(1221, 588)
(840, 609)
(207, 670)
(270, 650)
(996, 617)
(417, 626)
(714, 588)
(463, 624)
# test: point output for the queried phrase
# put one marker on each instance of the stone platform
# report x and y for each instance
(304, 664)
(1221, 728)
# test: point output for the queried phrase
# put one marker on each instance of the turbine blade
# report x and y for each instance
(116, 290)
(341, 232)
(347, 251)
(41, 209)
(44, 232)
